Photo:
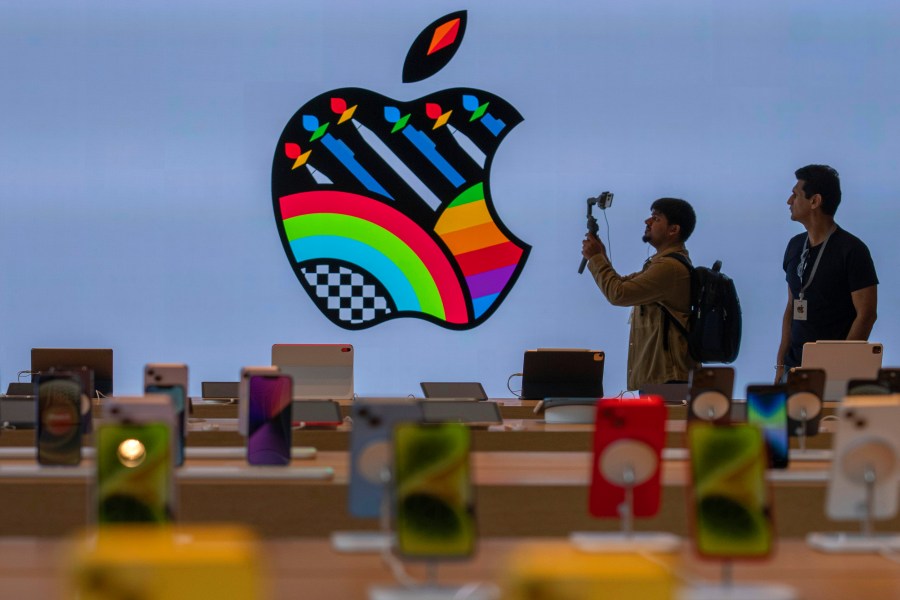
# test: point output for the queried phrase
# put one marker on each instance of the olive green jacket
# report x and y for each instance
(661, 280)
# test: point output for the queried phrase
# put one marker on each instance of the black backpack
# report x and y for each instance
(714, 327)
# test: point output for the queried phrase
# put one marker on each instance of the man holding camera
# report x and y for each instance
(657, 351)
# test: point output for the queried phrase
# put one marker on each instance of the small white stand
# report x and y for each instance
(710, 406)
(866, 541)
(374, 467)
(361, 542)
(627, 463)
(727, 589)
(470, 591)
(802, 407)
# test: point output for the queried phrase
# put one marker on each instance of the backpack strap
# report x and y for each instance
(668, 317)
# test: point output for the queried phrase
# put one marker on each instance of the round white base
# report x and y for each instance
(469, 591)
(853, 543)
(738, 591)
(639, 541)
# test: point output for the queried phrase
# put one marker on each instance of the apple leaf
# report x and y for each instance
(434, 47)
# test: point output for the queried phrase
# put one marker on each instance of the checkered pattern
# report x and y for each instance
(356, 297)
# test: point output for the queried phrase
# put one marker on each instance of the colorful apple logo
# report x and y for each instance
(384, 206)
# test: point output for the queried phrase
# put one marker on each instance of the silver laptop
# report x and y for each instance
(320, 371)
(842, 361)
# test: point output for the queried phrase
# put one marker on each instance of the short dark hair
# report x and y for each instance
(822, 180)
(677, 212)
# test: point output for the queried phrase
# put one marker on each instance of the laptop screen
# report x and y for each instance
(320, 371)
(555, 373)
(99, 360)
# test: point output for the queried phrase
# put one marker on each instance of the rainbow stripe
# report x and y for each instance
(485, 255)
(392, 247)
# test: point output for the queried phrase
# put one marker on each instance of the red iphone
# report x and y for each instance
(628, 440)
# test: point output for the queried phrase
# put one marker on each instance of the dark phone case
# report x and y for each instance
(711, 379)
(805, 380)
(58, 422)
(890, 377)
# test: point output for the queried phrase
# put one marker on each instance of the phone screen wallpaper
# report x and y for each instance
(435, 514)
(768, 410)
(730, 496)
(134, 473)
(269, 436)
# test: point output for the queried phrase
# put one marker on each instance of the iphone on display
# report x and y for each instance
(135, 450)
(58, 421)
(730, 503)
(269, 419)
(628, 439)
(767, 408)
(171, 379)
(433, 498)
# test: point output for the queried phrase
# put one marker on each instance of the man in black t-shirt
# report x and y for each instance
(832, 285)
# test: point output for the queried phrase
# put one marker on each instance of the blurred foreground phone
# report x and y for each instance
(171, 379)
(269, 419)
(85, 375)
(433, 498)
(371, 451)
(135, 451)
(628, 439)
(867, 387)
(58, 420)
(244, 391)
(767, 409)
(866, 446)
(710, 390)
(730, 503)
(805, 389)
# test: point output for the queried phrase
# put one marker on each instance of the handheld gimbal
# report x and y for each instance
(604, 201)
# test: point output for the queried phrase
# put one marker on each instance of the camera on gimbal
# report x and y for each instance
(604, 201)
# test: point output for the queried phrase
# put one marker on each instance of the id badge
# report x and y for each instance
(800, 309)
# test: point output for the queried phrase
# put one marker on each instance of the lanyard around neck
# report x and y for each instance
(818, 258)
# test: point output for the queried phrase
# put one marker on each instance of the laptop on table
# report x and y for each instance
(562, 373)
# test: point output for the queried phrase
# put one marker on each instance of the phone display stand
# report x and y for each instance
(411, 589)
(727, 589)
(864, 464)
(373, 466)
(627, 463)
(802, 407)
(710, 405)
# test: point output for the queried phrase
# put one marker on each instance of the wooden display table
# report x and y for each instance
(308, 568)
(517, 493)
